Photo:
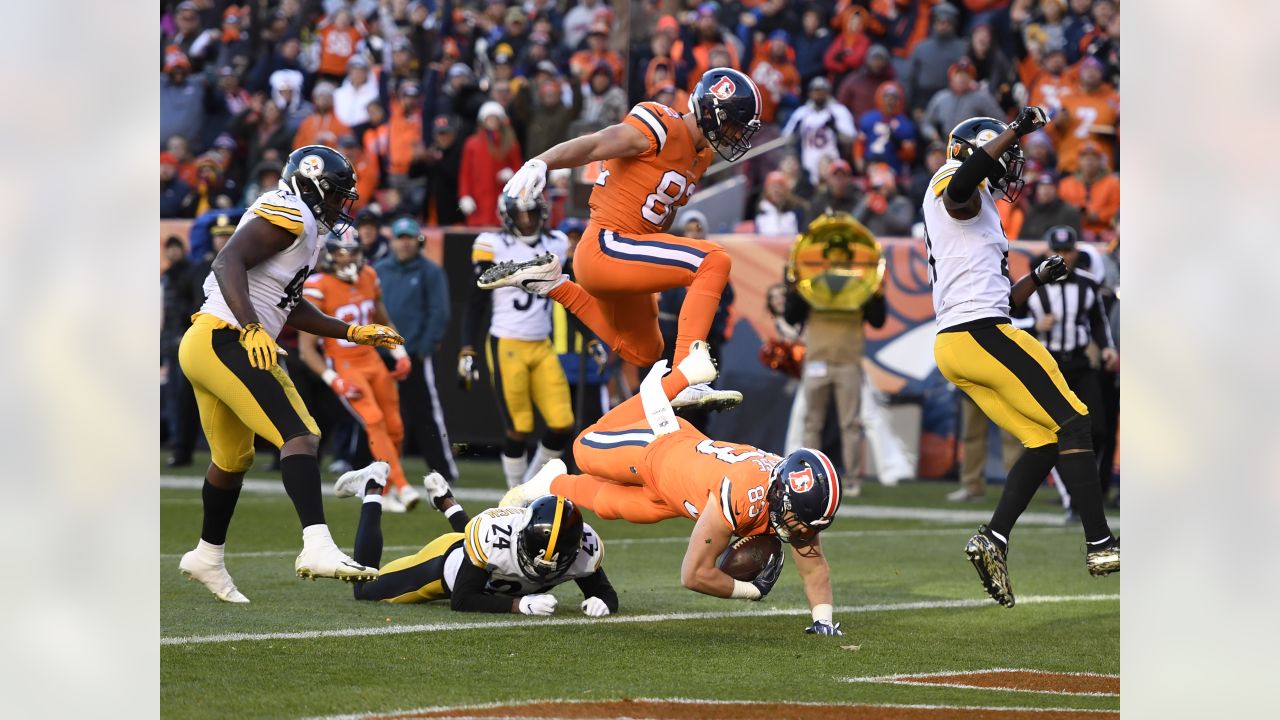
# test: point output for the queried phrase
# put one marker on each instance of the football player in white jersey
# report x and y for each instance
(504, 560)
(230, 355)
(523, 365)
(1005, 370)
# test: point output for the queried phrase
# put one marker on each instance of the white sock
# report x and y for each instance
(453, 510)
(373, 499)
(514, 468)
(313, 535)
(210, 551)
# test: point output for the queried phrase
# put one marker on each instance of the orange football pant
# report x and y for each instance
(378, 408)
(617, 277)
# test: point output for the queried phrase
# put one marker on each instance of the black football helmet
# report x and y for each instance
(324, 179)
(726, 104)
(347, 266)
(804, 495)
(975, 132)
(509, 207)
(549, 541)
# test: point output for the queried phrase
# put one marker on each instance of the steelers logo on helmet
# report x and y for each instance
(311, 167)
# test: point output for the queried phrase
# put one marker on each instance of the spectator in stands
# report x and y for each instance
(886, 134)
(266, 176)
(182, 99)
(603, 102)
(1050, 83)
(779, 212)
(661, 78)
(322, 120)
(777, 78)
(1079, 23)
(587, 62)
(545, 115)
(286, 91)
(404, 64)
(284, 58)
(994, 71)
(858, 90)
(340, 39)
(849, 48)
(931, 60)
(489, 158)
(839, 194)
(180, 149)
(707, 35)
(209, 183)
(177, 200)
(882, 209)
(577, 22)
(443, 165)
(404, 138)
(1093, 189)
(351, 99)
(373, 244)
(811, 44)
(1038, 150)
(175, 319)
(261, 128)
(934, 157)
(825, 128)
(1047, 209)
(1090, 111)
(1050, 19)
(461, 98)
(368, 172)
(962, 99)
(515, 33)
(1102, 42)
(189, 35)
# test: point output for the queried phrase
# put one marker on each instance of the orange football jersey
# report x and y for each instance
(351, 303)
(638, 195)
(688, 466)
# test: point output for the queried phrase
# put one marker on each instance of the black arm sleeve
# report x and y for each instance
(469, 595)
(972, 171)
(796, 309)
(597, 585)
(475, 317)
(875, 310)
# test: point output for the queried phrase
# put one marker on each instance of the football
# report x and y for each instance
(744, 558)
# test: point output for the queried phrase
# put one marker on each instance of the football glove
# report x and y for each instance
(1051, 270)
(538, 604)
(1031, 119)
(403, 364)
(528, 181)
(468, 373)
(375, 335)
(466, 204)
(769, 574)
(341, 387)
(821, 627)
(260, 346)
(599, 353)
(594, 607)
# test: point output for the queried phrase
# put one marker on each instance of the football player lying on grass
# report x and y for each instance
(643, 464)
(504, 560)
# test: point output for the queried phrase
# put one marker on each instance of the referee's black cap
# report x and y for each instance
(1061, 237)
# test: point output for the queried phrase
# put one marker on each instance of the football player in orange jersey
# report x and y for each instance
(653, 160)
(349, 290)
(643, 464)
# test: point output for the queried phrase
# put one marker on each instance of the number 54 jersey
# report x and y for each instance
(490, 544)
(275, 284)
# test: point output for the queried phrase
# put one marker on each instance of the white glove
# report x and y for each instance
(467, 204)
(528, 182)
(505, 174)
(538, 604)
(594, 607)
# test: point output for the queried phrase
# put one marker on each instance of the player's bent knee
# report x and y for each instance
(1075, 434)
(716, 261)
(307, 444)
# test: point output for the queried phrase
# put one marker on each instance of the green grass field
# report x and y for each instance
(908, 600)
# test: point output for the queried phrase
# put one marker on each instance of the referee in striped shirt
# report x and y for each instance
(1066, 317)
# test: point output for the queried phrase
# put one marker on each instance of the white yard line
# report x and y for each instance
(612, 619)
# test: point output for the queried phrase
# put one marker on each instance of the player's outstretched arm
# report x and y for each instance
(615, 141)
(815, 576)
(307, 318)
(960, 198)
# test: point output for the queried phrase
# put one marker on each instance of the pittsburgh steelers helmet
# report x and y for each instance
(509, 209)
(976, 132)
(325, 181)
(549, 540)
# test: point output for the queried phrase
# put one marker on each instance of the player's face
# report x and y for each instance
(797, 532)
(526, 222)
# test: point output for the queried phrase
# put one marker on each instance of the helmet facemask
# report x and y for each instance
(547, 553)
(731, 140)
(1006, 176)
(786, 524)
(533, 213)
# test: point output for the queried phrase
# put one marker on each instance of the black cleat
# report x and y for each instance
(990, 561)
(1104, 560)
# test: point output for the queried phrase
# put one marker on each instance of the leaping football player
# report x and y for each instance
(653, 160)
(230, 355)
(1006, 371)
(643, 464)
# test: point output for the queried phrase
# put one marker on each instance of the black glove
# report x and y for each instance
(769, 575)
(820, 627)
(1051, 270)
(1031, 119)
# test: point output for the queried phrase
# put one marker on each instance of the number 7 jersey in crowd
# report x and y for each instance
(275, 284)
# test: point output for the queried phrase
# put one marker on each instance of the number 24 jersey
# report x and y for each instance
(490, 544)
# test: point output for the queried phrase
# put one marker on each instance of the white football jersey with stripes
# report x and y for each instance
(490, 543)
(275, 284)
(968, 259)
(516, 314)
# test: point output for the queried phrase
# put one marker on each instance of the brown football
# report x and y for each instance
(745, 558)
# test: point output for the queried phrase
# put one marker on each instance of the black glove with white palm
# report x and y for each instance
(1029, 120)
(1051, 270)
(822, 627)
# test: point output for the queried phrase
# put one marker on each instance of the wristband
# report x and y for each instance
(328, 376)
(822, 613)
(350, 329)
(398, 352)
(745, 591)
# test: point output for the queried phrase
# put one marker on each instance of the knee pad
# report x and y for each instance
(1075, 434)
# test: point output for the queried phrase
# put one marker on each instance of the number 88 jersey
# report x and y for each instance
(638, 195)
(489, 542)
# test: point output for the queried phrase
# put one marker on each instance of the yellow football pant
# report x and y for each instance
(526, 373)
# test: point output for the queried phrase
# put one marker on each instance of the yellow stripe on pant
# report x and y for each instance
(1010, 375)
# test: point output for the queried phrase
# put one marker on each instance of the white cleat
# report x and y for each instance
(352, 484)
(213, 575)
(698, 367)
(409, 497)
(538, 485)
(538, 276)
(327, 561)
(437, 488)
(705, 397)
(392, 504)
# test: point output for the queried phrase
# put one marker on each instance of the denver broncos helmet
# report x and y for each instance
(509, 209)
(976, 132)
(343, 255)
(325, 181)
(549, 541)
(726, 104)
(803, 496)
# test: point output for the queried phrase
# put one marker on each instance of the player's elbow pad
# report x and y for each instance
(976, 168)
